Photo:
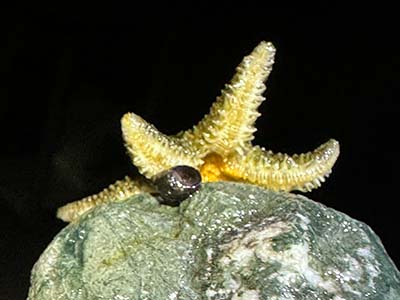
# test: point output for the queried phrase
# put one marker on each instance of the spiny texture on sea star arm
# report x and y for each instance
(219, 146)
(153, 152)
(282, 172)
(229, 126)
(120, 190)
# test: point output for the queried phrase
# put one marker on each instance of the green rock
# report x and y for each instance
(229, 241)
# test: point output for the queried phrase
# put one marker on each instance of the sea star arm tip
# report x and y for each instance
(230, 124)
(117, 191)
(152, 151)
(279, 171)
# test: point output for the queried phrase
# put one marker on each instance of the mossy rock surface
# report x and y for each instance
(229, 241)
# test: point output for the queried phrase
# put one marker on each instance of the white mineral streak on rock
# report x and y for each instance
(242, 249)
(354, 272)
(173, 296)
(285, 297)
(231, 287)
(304, 221)
(210, 293)
(294, 262)
(209, 252)
(370, 264)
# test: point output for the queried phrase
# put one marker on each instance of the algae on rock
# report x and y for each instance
(229, 241)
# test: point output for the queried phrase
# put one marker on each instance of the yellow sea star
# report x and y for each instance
(219, 146)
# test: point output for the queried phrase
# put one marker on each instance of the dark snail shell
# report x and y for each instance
(177, 184)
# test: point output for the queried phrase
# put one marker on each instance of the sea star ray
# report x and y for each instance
(282, 172)
(229, 126)
(153, 152)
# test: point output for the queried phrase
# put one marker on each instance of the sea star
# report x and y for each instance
(219, 146)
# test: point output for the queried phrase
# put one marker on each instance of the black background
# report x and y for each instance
(68, 75)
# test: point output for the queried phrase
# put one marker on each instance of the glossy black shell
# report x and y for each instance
(177, 184)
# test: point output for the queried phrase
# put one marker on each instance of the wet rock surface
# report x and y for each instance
(228, 241)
